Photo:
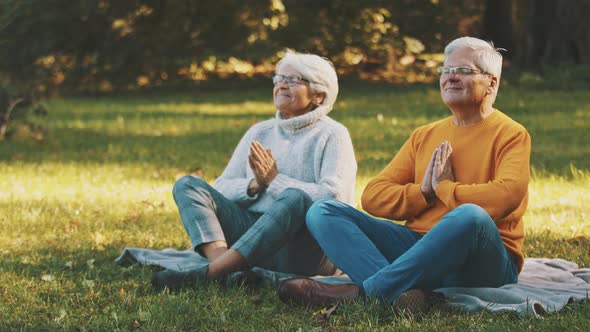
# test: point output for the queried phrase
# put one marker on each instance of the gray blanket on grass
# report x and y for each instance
(545, 285)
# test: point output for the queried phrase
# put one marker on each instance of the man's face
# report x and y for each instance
(460, 90)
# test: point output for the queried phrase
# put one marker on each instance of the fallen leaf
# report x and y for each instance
(47, 277)
(88, 283)
(324, 314)
(91, 293)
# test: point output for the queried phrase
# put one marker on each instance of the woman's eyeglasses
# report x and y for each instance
(461, 70)
(290, 79)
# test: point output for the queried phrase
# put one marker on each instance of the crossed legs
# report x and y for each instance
(386, 259)
(234, 238)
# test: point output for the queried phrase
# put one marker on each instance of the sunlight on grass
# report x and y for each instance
(102, 200)
(248, 107)
(72, 205)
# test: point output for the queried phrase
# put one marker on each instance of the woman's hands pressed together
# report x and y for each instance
(263, 166)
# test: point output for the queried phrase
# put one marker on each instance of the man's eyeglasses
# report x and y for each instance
(461, 70)
(291, 79)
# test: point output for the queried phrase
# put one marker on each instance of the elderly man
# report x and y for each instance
(459, 183)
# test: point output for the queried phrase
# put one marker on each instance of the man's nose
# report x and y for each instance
(453, 77)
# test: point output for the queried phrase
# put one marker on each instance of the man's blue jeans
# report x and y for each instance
(277, 240)
(386, 259)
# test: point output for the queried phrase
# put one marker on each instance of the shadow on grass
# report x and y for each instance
(547, 244)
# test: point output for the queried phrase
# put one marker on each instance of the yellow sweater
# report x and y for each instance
(491, 167)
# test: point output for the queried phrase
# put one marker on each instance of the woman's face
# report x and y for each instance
(293, 100)
(460, 90)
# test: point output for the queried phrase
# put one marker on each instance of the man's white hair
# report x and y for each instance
(488, 57)
(319, 71)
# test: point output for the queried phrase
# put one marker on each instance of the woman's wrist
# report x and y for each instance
(254, 188)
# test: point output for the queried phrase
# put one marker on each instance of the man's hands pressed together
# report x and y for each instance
(439, 169)
(443, 167)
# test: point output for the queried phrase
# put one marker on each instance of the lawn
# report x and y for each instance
(101, 180)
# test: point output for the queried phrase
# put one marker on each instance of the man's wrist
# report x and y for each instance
(429, 197)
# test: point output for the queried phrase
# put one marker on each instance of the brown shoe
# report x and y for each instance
(417, 302)
(310, 292)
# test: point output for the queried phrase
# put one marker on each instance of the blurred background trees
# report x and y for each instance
(112, 45)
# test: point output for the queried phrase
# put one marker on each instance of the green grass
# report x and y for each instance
(101, 181)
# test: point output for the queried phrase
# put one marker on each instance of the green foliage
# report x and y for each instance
(20, 114)
(102, 178)
(105, 45)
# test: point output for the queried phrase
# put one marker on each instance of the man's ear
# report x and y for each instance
(318, 98)
(492, 85)
(493, 81)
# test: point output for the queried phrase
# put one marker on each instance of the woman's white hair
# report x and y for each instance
(488, 57)
(319, 71)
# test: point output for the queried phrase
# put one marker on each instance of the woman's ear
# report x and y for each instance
(318, 98)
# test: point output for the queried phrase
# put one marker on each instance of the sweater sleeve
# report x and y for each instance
(336, 166)
(502, 195)
(395, 193)
(233, 182)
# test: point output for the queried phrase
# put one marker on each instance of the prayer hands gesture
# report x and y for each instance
(263, 164)
(443, 168)
(439, 169)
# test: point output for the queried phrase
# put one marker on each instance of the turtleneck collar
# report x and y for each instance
(298, 122)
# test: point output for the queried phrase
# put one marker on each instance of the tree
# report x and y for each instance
(497, 24)
(555, 32)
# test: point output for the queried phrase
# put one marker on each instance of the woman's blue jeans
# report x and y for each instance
(276, 240)
(386, 259)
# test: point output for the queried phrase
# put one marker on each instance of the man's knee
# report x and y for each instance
(315, 219)
(474, 215)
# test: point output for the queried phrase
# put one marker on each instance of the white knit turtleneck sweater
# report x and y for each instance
(313, 153)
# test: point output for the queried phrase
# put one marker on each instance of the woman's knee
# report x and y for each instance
(187, 183)
(295, 199)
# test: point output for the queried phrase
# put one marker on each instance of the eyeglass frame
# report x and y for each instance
(453, 71)
(288, 79)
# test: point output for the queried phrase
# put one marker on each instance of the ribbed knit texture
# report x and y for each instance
(491, 164)
(313, 153)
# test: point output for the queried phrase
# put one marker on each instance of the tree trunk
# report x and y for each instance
(555, 32)
(497, 24)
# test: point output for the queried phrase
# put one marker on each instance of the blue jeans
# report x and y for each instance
(277, 240)
(386, 259)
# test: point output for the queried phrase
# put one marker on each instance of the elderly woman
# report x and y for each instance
(254, 214)
(459, 183)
